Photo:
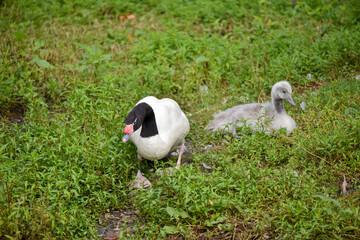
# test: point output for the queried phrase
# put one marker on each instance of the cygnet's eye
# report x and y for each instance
(284, 91)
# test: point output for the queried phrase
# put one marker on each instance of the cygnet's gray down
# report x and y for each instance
(265, 117)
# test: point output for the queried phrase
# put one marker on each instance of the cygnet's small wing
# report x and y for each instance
(238, 113)
(221, 118)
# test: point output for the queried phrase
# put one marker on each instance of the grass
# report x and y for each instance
(71, 71)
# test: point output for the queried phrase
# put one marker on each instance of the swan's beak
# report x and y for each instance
(126, 137)
(291, 101)
(128, 130)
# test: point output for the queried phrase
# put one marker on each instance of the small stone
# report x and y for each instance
(208, 147)
(204, 89)
(295, 173)
(206, 166)
(244, 99)
(118, 227)
(303, 106)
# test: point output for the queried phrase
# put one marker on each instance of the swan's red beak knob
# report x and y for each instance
(128, 130)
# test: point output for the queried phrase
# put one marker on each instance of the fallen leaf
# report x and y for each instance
(343, 187)
(206, 166)
(127, 16)
(130, 37)
(112, 236)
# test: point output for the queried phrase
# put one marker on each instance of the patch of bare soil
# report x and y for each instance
(348, 186)
(114, 222)
(311, 87)
(204, 233)
(13, 115)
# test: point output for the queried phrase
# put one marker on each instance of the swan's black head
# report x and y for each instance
(141, 115)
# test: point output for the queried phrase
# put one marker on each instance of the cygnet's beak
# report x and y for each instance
(291, 101)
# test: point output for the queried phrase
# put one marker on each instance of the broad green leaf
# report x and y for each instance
(41, 63)
(105, 57)
(211, 223)
(175, 213)
(82, 68)
(83, 46)
(336, 202)
(20, 36)
(321, 197)
(170, 229)
(201, 59)
(39, 44)
(2, 147)
(349, 228)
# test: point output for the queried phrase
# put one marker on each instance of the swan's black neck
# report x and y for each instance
(143, 116)
(279, 105)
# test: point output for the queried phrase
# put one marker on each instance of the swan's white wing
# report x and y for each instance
(171, 122)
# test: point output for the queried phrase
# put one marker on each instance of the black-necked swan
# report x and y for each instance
(260, 117)
(156, 127)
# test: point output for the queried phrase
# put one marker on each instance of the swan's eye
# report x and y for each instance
(135, 121)
(284, 91)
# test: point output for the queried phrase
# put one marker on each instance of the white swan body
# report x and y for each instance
(171, 125)
(265, 117)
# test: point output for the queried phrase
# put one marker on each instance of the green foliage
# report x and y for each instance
(70, 71)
